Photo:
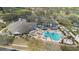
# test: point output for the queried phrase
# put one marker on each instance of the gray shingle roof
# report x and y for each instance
(20, 27)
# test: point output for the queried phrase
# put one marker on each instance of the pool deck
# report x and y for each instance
(38, 35)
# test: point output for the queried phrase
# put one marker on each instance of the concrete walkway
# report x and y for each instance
(19, 45)
(2, 30)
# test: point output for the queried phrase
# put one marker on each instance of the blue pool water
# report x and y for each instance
(52, 35)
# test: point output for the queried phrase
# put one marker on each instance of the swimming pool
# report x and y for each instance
(53, 35)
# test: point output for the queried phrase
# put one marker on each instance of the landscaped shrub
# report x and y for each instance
(10, 39)
(5, 39)
(2, 25)
(25, 36)
(69, 48)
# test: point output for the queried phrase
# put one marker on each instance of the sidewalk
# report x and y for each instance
(19, 45)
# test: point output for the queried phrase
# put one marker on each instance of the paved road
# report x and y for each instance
(7, 49)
